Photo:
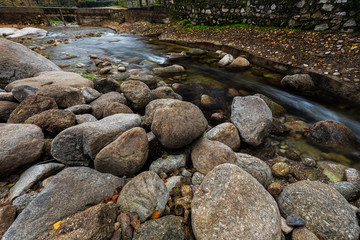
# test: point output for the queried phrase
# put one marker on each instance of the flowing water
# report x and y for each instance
(201, 72)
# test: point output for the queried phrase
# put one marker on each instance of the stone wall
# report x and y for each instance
(343, 15)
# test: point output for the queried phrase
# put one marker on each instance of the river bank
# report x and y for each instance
(333, 59)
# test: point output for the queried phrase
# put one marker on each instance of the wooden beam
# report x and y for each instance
(62, 17)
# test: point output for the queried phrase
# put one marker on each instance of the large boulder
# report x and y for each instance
(64, 96)
(239, 64)
(155, 105)
(326, 211)
(70, 191)
(57, 78)
(149, 80)
(231, 204)
(331, 133)
(298, 81)
(28, 31)
(163, 92)
(18, 62)
(78, 145)
(53, 121)
(207, 154)
(6, 108)
(252, 117)
(137, 93)
(178, 124)
(100, 103)
(126, 155)
(32, 105)
(225, 133)
(20, 144)
(21, 92)
(145, 194)
(115, 108)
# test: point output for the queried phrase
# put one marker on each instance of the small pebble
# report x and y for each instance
(186, 190)
(274, 188)
(295, 221)
(186, 173)
(308, 162)
(280, 169)
(284, 227)
(197, 178)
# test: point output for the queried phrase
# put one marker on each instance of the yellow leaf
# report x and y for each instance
(57, 224)
(156, 214)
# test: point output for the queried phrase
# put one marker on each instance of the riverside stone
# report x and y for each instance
(177, 124)
(352, 175)
(169, 164)
(165, 228)
(126, 155)
(32, 105)
(18, 62)
(163, 92)
(252, 117)
(303, 234)
(6, 108)
(149, 80)
(276, 109)
(100, 103)
(90, 94)
(53, 121)
(239, 64)
(7, 217)
(84, 118)
(115, 108)
(78, 145)
(255, 167)
(64, 96)
(226, 60)
(222, 208)
(348, 190)
(169, 70)
(326, 211)
(5, 96)
(225, 133)
(284, 227)
(80, 109)
(207, 154)
(137, 93)
(31, 176)
(295, 221)
(155, 105)
(280, 169)
(22, 201)
(144, 194)
(21, 92)
(20, 144)
(104, 85)
(57, 78)
(298, 81)
(70, 191)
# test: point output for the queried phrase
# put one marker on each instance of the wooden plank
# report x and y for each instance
(62, 17)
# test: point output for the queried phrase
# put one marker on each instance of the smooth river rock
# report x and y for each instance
(137, 93)
(252, 117)
(153, 106)
(231, 204)
(225, 133)
(21, 92)
(6, 108)
(64, 96)
(100, 103)
(70, 191)
(20, 144)
(178, 124)
(144, 194)
(326, 211)
(168, 164)
(78, 145)
(126, 155)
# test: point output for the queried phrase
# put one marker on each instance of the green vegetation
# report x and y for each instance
(55, 20)
(88, 76)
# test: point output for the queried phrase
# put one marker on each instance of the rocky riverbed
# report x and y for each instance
(128, 152)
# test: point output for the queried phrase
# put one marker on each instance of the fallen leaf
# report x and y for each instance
(156, 214)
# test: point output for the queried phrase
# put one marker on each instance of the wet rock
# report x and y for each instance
(168, 164)
(20, 144)
(84, 118)
(274, 188)
(169, 70)
(276, 109)
(80, 109)
(232, 92)
(295, 221)
(280, 169)
(104, 85)
(163, 92)
(78, 145)
(165, 228)
(326, 212)
(178, 124)
(308, 162)
(70, 191)
(303, 234)
(126, 155)
(116, 108)
(94, 223)
(18, 61)
(208, 101)
(298, 81)
(195, 51)
(7, 217)
(153, 106)
(33, 175)
(28, 31)
(222, 208)
(149, 80)
(53, 121)
(225, 133)
(331, 133)
(226, 60)
(296, 127)
(239, 64)
(64, 96)
(21, 92)
(90, 94)
(255, 167)
(217, 117)
(6, 108)
(353, 176)
(284, 227)
(144, 194)
(197, 178)
(207, 154)
(105, 70)
(136, 92)
(21, 202)
(57, 78)
(100, 103)
(32, 105)
(252, 117)
(349, 191)
(334, 171)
